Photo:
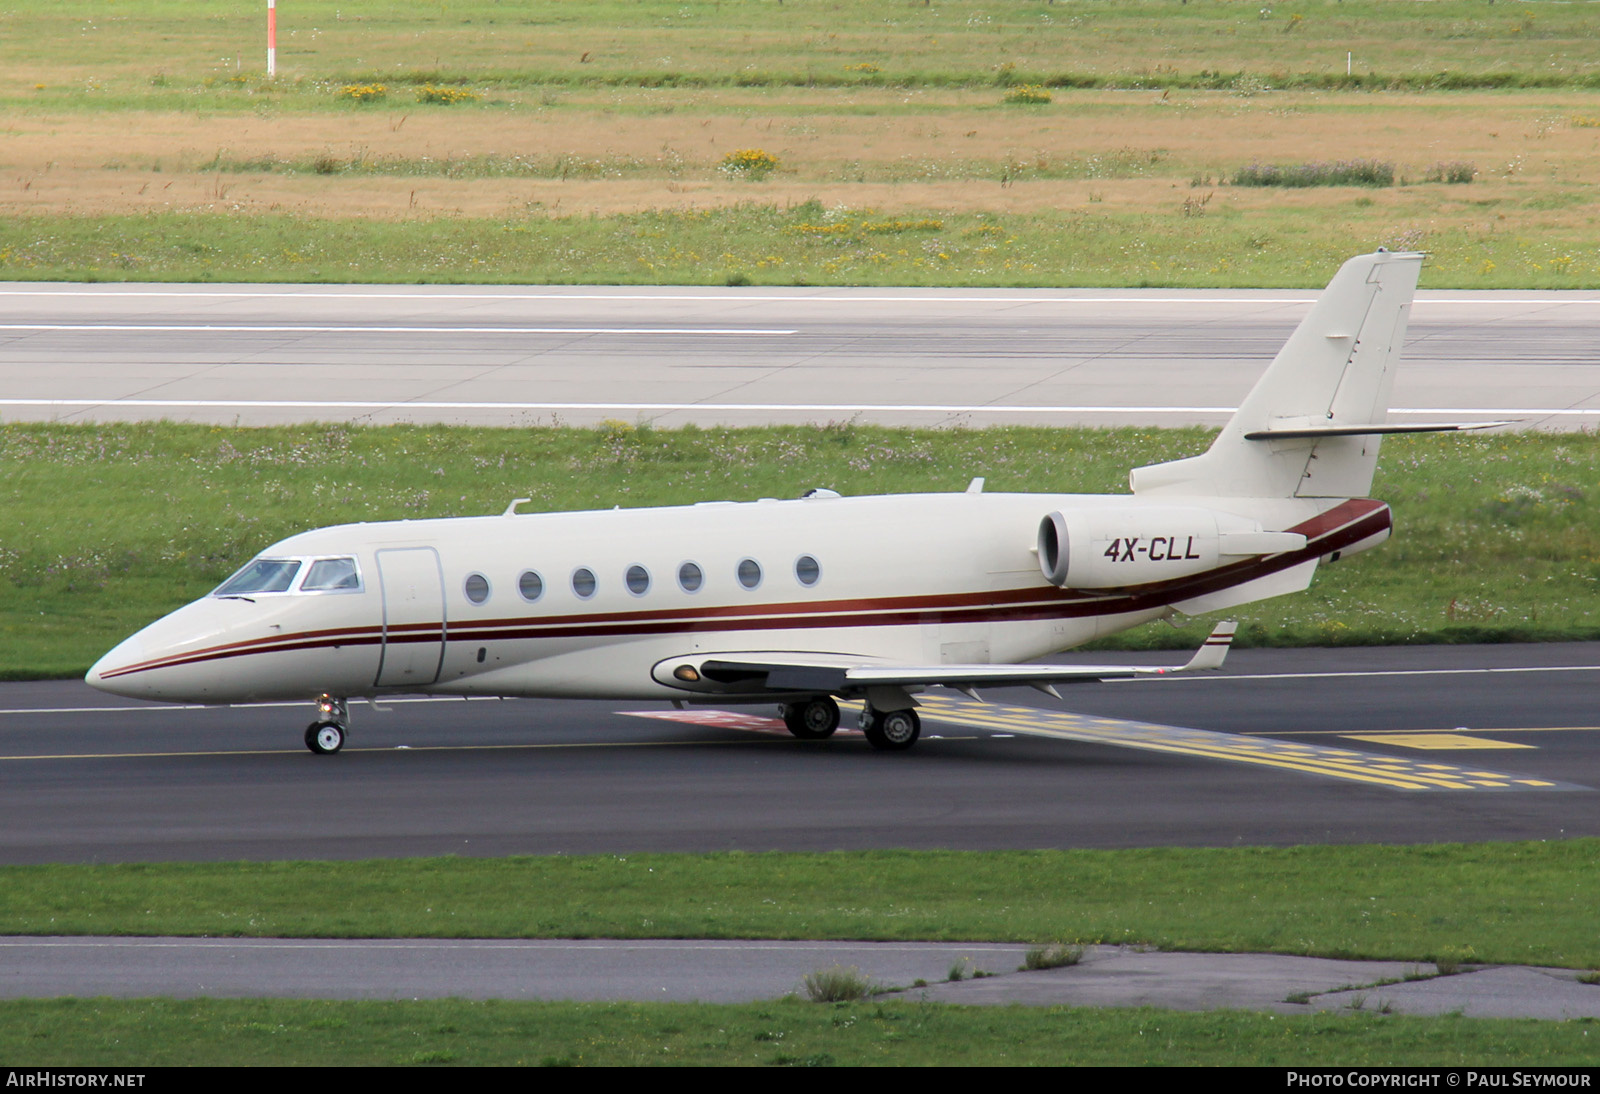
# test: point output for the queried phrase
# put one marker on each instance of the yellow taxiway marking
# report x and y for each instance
(1457, 729)
(1396, 772)
(1442, 741)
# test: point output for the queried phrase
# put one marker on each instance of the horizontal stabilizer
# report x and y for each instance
(1288, 432)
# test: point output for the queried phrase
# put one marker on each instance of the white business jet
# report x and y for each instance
(808, 601)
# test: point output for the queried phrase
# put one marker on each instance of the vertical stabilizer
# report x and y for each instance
(1335, 371)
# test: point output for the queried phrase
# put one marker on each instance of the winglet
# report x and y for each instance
(1214, 650)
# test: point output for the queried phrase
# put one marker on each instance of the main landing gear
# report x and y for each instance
(326, 735)
(813, 719)
(891, 730)
(886, 730)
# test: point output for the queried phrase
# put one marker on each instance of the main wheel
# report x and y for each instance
(894, 731)
(324, 738)
(812, 720)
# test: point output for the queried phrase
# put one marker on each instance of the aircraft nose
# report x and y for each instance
(107, 673)
(167, 661)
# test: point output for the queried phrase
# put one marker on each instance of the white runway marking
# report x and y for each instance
(808, 408)
(216, 328)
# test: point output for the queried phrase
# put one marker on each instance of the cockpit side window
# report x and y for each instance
(262, 575)
(332, 575)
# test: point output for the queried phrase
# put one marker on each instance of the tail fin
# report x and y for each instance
(1312, 424)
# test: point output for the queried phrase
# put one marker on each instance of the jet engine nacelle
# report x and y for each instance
(1118, 548)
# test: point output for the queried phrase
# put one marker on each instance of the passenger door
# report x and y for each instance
(413, 617)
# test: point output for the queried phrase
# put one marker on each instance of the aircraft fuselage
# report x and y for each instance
(588, 604)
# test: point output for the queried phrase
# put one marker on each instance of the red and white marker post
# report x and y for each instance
(272, 38)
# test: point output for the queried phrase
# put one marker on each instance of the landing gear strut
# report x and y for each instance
(891, 730)
(326, 735)
(812, 720)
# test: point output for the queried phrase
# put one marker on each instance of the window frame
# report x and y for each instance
(816, 579)
(627, 579)
(700, 573)
(488, 588)
(738, 573)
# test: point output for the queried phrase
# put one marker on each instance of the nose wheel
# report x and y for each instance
(326, 735)
(324, 738)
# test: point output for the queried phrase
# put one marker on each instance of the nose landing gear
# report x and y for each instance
(326, 735)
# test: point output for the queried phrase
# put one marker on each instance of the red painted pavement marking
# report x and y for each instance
(722, 719)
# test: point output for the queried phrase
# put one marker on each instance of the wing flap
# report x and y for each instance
(841, 674)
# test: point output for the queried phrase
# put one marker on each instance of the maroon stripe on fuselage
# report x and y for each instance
(1347, 523)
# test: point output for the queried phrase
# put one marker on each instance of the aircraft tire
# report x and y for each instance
(812, 720)
(894, 731)
(324, 738)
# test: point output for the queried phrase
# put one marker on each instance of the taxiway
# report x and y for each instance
(1406, 745)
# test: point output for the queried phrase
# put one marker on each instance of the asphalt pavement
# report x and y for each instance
(747, 971)
(520, 355)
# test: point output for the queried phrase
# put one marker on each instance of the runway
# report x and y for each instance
(516, 356)
(1406, 745)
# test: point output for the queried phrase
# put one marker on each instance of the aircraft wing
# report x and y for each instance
(842, 674)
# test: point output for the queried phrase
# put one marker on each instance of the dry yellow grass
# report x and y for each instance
(878, 148)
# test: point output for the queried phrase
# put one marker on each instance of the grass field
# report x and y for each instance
(1496, 537)
(1524, 903)
(593, 142)
(805, 244)
(101, 46)
(1456, 904)
(788, 1033)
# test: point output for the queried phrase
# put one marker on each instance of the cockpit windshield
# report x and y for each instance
(277, 575)
(331, 575)
(262, 575)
